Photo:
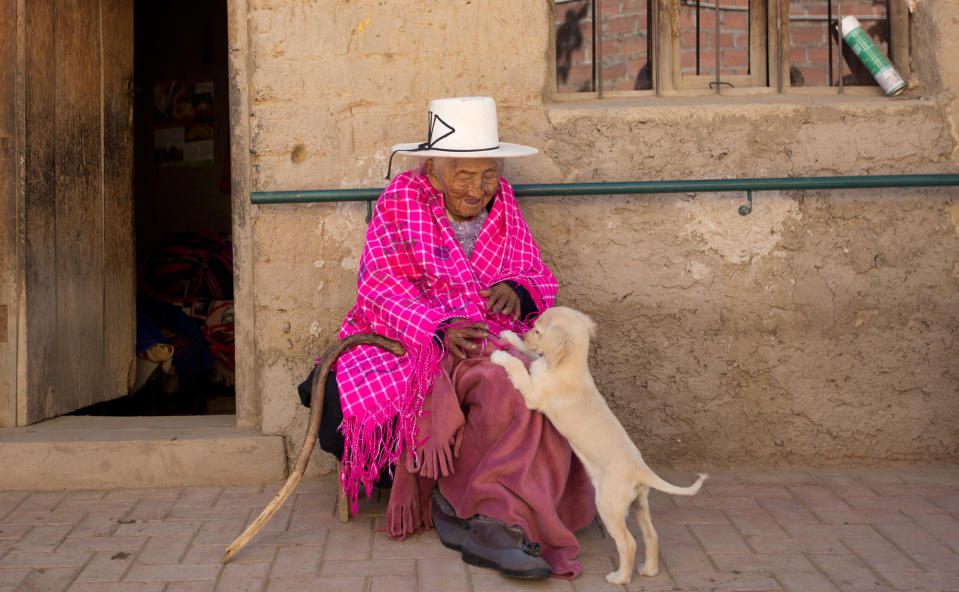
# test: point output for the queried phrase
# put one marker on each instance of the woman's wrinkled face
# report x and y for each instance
(468, 184)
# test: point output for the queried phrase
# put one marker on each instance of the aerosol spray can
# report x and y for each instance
(872, 57)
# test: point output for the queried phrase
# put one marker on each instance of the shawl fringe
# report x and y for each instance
(378, 439)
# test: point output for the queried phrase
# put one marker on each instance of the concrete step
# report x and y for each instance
(86, 452)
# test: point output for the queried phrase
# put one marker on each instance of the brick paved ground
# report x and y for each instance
(781, 530)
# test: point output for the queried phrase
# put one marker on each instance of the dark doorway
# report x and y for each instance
(182, 212)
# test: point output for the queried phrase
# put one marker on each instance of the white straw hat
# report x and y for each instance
(463, 127)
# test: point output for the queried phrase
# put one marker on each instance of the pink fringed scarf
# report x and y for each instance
(413, 276)
(440, 434)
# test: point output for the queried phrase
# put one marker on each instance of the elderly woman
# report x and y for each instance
(449, 263)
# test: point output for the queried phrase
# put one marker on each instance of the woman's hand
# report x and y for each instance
(501, 299)
(460, 338)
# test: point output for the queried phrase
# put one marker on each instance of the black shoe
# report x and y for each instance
(492, 543)
(452, 529)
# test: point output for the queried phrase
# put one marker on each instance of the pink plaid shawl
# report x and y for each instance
(413, 276)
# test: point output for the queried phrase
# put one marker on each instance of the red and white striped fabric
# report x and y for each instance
(413, 276)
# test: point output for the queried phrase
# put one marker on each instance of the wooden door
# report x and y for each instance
(9, 267)
(76, 327)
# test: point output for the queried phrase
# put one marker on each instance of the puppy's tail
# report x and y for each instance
(657, 482)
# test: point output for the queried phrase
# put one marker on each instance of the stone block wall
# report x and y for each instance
(822, 329)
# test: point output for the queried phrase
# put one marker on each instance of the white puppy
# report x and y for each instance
(559, 385)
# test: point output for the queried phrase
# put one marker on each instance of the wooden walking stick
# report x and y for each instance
(312, 431)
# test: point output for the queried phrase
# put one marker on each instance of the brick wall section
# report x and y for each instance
(624, 43)
(733, 38)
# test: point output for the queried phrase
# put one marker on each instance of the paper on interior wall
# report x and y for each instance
(183, 119)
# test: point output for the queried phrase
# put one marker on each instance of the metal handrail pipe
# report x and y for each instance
(638, 187)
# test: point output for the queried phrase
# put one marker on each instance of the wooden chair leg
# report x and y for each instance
(342, 504)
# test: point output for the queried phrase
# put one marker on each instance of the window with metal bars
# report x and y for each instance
(668, 47)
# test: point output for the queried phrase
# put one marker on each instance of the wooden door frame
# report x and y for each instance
(248, 400)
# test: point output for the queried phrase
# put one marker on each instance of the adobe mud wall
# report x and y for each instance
(822, 329)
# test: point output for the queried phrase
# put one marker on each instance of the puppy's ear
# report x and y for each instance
(556, 344)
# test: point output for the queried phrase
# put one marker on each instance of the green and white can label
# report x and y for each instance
(872, 57)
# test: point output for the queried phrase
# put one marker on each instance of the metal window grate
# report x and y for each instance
(608, 45)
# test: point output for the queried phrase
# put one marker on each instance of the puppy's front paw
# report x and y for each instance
(515, 370)
(511, 338)
(500, 358)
